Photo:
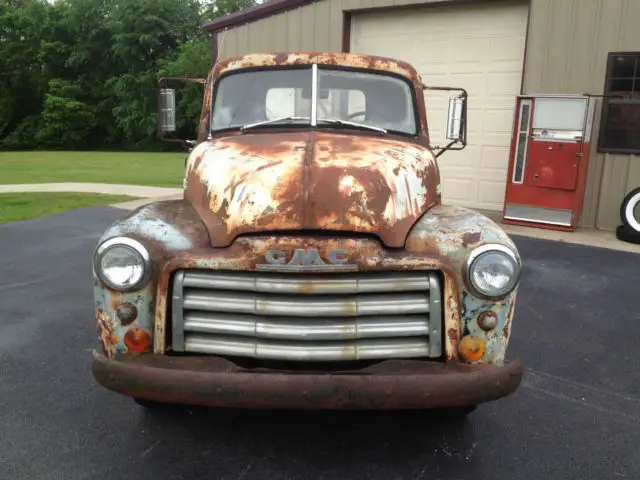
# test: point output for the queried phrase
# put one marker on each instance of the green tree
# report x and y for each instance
(66, 122)
(83, 73)
(143, 33)
(23, 27)
(77, 54)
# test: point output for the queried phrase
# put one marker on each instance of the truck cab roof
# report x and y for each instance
(335, 59)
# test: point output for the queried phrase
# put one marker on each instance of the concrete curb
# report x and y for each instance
(581, 236)
(104, 188)
(133, 204)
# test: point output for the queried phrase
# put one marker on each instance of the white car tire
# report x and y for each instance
(629, 205)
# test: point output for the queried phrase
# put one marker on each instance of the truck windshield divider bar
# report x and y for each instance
(314, 95)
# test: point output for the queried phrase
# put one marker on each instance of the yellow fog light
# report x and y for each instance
(472, 348)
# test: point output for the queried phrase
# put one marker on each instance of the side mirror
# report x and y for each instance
(179, 107)
(456, 131)
(455, 119)
(167, 111)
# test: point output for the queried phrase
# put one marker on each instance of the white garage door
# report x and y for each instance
(479, 48)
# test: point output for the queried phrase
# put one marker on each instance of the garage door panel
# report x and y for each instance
(497, 131)
(460, 191)
(492, 158)
(472, 49)
(501, 83)
(465, 159)
(437, 50)
(490, 194)
(475, 126)
(476, 47)
(498, 121)
(508, 47)
(473, 172)
(505, 66)
(497, 143)
(496, 139)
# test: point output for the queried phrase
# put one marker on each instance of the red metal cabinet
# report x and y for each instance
(548, 161)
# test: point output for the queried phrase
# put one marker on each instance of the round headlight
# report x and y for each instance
(122, 264)
(493, 270)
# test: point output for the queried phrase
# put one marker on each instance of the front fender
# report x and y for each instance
(162, 227)
(451, 233)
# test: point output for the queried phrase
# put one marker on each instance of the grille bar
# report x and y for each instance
(319, 351)
(307, 317)
(310, 284)
(303, 330)
(306, 305)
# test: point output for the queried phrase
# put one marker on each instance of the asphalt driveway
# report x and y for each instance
(577, 414)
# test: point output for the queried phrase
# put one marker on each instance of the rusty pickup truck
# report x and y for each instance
(311, 262)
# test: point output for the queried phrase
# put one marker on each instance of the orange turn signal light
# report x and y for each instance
(137, 340)
(472, 348)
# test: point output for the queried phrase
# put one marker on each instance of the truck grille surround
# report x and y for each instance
(304, 317)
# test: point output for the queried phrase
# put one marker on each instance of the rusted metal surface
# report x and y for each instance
(354, 60)
(451, 233)
(177, 238)
(108, 338)
(305, 180)
(163, 228)
(393, 384)
(441, 241)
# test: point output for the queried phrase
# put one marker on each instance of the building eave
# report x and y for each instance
(254, 13)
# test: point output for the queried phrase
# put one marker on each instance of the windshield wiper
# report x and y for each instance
(352, 124)
(269, 122)
(334, 121)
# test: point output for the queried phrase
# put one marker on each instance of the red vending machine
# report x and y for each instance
(548, 163)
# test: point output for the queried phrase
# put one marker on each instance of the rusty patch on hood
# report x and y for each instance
(311, 181)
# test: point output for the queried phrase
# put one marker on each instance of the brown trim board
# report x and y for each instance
(346, 31)
(427, 3)
(254, 13)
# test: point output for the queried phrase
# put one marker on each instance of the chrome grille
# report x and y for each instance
(326, 317)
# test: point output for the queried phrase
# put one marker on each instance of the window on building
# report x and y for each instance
(620, 126)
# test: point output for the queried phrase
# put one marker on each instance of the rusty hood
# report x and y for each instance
(262, 182)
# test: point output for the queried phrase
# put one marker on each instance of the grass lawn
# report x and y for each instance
(22, 206)
(128, 168)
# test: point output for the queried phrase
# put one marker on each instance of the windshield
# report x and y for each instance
(283, 97)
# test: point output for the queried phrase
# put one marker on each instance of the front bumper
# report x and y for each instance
(392, 384)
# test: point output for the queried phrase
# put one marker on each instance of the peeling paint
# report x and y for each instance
(436, 242)
(307, 180)
(453, 232)
(163, 228)
(112, 331)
